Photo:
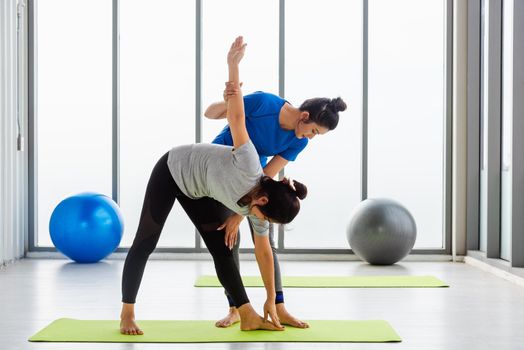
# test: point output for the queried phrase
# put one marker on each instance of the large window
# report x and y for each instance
(157, 103)
(407, 110)
(501, 143)
(72, 103)
(324, 59)
(164, 48)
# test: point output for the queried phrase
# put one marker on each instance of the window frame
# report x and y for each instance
(198, 246)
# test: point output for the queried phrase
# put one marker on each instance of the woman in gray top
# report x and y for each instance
(231, 176)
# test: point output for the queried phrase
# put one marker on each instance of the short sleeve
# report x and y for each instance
(263, 161)
(253, 103)
(260, 227)
(291, 153)
(245, 158)
(224, 137)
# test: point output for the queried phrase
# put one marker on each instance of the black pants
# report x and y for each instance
(206, 214)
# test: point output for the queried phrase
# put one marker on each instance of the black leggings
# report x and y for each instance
(206, 214)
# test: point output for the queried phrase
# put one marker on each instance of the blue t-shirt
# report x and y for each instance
(262, 111)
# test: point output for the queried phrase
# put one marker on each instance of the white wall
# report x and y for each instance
(13, 163)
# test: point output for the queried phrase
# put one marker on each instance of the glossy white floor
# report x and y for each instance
(478, 311)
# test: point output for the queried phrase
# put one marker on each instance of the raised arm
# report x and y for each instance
(235, 104)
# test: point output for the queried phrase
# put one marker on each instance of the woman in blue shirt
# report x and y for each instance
(281, 131)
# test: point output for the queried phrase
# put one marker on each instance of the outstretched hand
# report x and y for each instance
(271, 311)
(236, 52)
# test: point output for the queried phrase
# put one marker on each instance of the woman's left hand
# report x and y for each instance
(270, 310)
(231, 225)
(230, 90)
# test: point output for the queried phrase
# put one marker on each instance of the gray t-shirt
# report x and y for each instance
(220, 172)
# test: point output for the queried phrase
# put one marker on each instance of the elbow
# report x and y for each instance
(208, 114)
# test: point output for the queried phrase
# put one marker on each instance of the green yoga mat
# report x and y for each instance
(336, 282)
(70, 330)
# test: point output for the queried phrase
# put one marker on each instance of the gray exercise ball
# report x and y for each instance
(381, 231)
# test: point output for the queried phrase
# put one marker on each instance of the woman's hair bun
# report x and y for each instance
(337, 105)
(300, 189)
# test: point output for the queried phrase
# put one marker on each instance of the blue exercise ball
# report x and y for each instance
(381, 231)
(86, 227)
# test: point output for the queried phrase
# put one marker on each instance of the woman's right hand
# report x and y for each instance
(271, 311)
(230, 90)
(231, 226)
(250, 320)
(236, 52)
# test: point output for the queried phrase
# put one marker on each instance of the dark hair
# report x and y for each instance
(283, 201)
(323, 111)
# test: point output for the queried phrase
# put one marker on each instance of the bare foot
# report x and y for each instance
(232, 317)
(250, 320)
(128, 326)
(286, 318)
(258, 323)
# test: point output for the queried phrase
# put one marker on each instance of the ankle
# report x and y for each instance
(233, 310)
(128, 311)
(245, 310)
(279, 297)
(127, 318)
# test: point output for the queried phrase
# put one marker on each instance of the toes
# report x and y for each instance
(271, 326)
(277, 328)
(223, 324)
(131, 331)
(295, 323)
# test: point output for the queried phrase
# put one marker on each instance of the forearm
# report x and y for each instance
(235, 104)
(238, 216)
(270, 171)
(234, 74)
(267, 270)
(275, 166)
(216, 110)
